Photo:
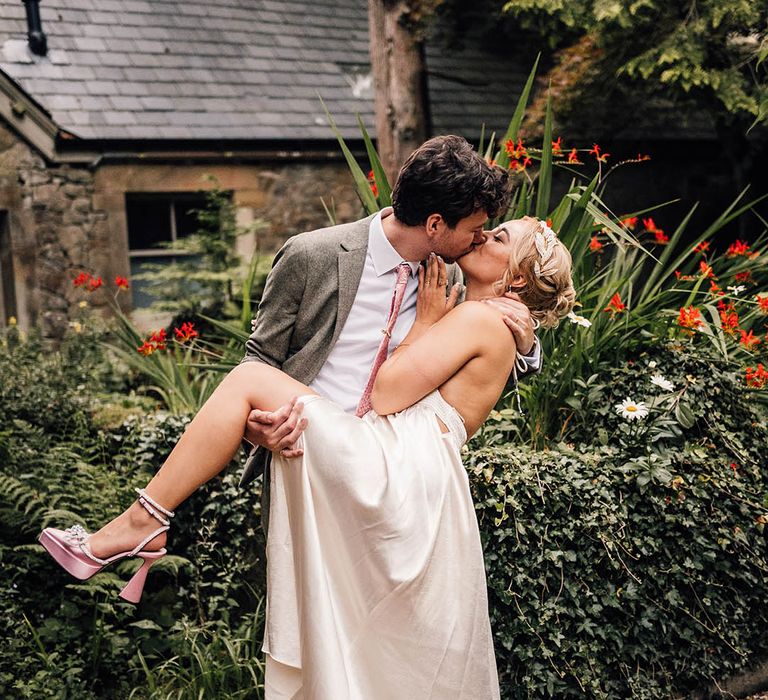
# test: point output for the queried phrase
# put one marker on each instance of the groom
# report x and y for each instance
(328, 295)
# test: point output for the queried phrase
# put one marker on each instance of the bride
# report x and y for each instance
(376, 583)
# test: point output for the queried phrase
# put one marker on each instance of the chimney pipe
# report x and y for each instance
(38, 44)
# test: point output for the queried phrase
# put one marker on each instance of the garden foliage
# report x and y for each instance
(616, 572)
(71, 450)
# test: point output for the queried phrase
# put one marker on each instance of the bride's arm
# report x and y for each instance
(428, 357)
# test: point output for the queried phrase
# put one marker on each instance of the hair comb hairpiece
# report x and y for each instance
(545, 241)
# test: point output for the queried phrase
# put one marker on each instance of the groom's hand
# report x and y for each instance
(518, 320)
(277, 430)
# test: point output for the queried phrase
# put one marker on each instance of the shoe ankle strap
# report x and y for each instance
(146, 500)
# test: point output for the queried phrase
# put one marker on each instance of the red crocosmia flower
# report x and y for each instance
(549, 223)
(557, 146)
(615, 306)
(729, 319)
(526, 162)
(762, 303)
(186, 332)
(661, 237)
(94, 283)
(650, 225)
(748, 340)
(159, 339)
(595, 245)
(630, 222)
(146, 349)
(738, 248)
(715, 288)
(515, 151)
(573, 157)
(372, 183)
(121, 282)
(723, 306)
(706, 270)
(600, 157)
(745, 276)
(82, 279)
(702, 248)
(690, 318)
(491, 162)
(757, 377)
(682, 277)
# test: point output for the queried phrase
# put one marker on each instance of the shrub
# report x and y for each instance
(71, 452)
(630, 564)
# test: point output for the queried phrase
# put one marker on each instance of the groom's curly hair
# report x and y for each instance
(446, 176)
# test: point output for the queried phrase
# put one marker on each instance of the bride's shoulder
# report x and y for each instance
(476, 311)
(480, 317)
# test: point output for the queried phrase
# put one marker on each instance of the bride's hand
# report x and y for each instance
(432, 303)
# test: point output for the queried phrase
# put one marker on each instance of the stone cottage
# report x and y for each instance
(113, 111)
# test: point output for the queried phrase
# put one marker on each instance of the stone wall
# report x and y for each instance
(53, 230)
(65, 219)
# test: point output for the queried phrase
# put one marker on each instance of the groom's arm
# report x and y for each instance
(533, 361)
(276, 316)
(269, 342)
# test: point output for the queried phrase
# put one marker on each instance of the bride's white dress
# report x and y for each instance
(376, 586)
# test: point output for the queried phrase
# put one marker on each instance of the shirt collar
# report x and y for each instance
(385, 257)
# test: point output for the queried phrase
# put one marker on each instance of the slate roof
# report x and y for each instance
(229, 69)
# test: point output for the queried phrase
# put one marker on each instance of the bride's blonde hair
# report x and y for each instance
(548, 290)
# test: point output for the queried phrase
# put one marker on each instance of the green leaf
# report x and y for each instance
(545, 171)
(502, 159)
(684, 415)
(360, 178)
(382, 183)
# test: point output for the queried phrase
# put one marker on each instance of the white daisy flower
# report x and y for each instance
(738, 289)
(632, 410)
(581, 320)
(662, 383)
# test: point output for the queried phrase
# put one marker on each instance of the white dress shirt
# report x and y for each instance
(345, 373)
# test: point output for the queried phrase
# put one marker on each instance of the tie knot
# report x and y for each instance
(403, 271)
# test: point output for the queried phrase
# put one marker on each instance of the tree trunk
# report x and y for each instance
(399, 78)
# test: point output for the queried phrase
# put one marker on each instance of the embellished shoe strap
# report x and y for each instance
(77, 535)
(146, 500)
(85, 549)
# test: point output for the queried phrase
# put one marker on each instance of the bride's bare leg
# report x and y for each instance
(208, 444)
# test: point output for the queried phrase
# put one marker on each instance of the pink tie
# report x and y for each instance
(403, 273)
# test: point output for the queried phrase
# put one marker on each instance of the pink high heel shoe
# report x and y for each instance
(70, 549)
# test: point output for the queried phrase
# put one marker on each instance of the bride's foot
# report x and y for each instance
(125, 532)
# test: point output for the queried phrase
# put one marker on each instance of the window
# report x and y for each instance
(7, 282)
(157, 218)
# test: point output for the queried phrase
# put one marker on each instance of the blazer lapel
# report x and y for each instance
(351, 262)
